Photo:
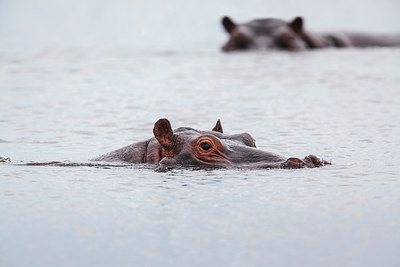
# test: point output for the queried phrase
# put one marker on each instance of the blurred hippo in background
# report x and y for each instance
(270, 33)
(190, 147)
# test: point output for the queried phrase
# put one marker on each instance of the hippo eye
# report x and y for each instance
(286, 41)
(209, 149)
(205, 146)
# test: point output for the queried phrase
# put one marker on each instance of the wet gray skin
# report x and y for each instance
(267, 34)
(190, 147)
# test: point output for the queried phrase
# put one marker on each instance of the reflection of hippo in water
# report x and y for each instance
(189, 147)
(264, 34)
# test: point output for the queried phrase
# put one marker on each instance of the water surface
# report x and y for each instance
(73, 102)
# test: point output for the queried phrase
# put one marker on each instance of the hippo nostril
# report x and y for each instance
(205, 146)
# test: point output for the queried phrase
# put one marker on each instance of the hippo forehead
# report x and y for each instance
(188, 133)
(264, 26)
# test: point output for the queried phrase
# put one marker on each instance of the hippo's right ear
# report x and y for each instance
(297, 24)
(229, 25)
(218, 127)
(163, 133)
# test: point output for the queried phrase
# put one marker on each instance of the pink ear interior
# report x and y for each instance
(163, 132)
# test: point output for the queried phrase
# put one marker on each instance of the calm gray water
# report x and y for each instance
(73, 101)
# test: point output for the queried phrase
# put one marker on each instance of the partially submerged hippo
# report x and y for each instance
(190, 147)
(264, 34)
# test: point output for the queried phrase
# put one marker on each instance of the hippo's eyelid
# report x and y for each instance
(208, 143)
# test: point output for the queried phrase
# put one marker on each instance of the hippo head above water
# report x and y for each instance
(190, 147)
(264, 34)
(277, 34)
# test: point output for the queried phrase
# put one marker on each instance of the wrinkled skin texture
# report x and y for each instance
(190, 147)
(270, 34)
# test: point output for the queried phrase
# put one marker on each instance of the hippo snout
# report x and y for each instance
(310, 161)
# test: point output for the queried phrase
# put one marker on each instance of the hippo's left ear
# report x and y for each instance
(218, 127)
(163, 133)
(297, 25)
(228, 23)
